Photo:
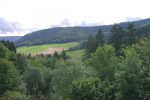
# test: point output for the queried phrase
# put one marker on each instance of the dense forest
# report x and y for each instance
(72, 34)
(118, 69)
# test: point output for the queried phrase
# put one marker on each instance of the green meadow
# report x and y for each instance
(40, 48)
(76, 54)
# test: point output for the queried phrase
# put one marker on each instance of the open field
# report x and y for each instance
(44, 47)
(76, 54)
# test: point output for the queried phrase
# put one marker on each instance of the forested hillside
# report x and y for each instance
(71, 34)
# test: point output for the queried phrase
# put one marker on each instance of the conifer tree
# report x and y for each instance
(131, 34)
(99, 39)
(116, 39)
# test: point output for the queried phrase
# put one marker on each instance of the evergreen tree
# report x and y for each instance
(131, 34)
(91, 45)
(9, 76)
(9, 45)
(116, 39)
(63, 55)
(21, 63)
(56, 55)
(99, 39)
(4, 52)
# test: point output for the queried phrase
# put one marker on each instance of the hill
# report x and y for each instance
(144, 30)
(72, 34)
(10, 38)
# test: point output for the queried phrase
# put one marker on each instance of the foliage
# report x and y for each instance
(129, 76)
(56, 55)
(21, 63)
(63, 55)
(9, 45)
(92, 88)
(143, 49)
(103, 60)
(14, 95)
(131, 34)
(116, 39)
(92, 44)
(41, 62)
(100, 38)
(90, 47)
(63, 77)
(3, 51)
(36, 84)
(9, 76)
(143, 30)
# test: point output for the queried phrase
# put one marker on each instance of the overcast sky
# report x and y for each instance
(18, 17)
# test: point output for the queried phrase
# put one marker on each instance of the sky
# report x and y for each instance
(19, 17)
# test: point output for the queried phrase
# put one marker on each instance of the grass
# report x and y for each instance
(77, 54)
(40, 48)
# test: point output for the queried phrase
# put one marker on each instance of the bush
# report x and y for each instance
(34, 79)
(64, 75)
(104, 61)
(14, 95)
(92, 88)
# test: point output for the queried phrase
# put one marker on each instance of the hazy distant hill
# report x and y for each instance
(144, 30)
(70, 34)
(10, 38)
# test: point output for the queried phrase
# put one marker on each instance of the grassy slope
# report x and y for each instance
(39, 48)
(76, 54)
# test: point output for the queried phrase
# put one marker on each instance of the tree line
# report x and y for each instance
(119, 38)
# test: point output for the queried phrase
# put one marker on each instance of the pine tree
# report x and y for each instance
(99, 39)
(56, 55)
(63, 55)
(116, 39)
(91, 45)
(131, 34)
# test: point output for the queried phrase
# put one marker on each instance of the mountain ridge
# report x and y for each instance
(72, 34)
(10, 38)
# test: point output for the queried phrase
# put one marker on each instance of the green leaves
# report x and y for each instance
(3, 51)
(131, 37)
(64, 75)
(103, 60)
(14, 95)
(92, 88)
(9, 76)
(116, 39)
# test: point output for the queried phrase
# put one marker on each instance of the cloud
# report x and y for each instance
(132, 18)
(85, 23)
(62, 23)
(65, 22)
(8, 27)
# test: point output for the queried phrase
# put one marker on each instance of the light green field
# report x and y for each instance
(76, 54)
(40, 48)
